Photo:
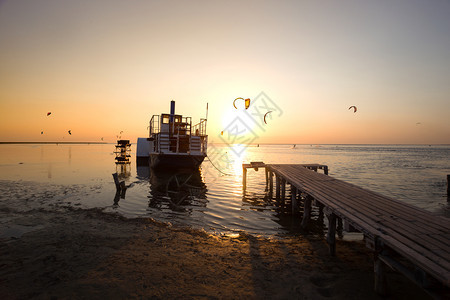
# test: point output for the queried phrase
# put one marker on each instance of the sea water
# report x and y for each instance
(51, 176)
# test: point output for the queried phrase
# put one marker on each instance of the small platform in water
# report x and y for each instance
(123, 149)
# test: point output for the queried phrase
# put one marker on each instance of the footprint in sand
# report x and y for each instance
(323, 284)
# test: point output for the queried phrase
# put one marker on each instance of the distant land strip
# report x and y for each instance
(73, 143)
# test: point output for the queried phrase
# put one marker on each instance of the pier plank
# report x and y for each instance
(403, 207)
(352, 191)
(399, 229)
(414, 233)
(380, 227)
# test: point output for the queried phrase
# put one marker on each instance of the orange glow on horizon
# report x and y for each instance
(100, 78)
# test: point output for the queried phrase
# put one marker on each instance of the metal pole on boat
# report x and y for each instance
(172, 110)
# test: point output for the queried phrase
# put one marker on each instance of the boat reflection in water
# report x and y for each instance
(179, 189)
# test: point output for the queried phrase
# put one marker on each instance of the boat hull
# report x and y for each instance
(161, 161)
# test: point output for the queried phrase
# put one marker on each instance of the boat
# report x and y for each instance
(173, 142)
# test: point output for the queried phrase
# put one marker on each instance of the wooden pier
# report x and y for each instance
(408, 239)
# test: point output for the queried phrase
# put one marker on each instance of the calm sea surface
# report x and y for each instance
(51, 176)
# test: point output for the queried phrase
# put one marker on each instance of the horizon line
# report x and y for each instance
(87, 142)
(53, 143)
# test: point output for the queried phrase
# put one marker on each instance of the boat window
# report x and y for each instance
(165, 119)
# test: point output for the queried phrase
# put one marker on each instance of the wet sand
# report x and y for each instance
(86, 254)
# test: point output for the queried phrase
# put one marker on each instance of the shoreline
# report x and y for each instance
(76, 253)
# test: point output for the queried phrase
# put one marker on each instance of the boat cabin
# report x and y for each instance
(173, 136)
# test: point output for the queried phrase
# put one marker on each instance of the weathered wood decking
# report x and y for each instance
(394, 230)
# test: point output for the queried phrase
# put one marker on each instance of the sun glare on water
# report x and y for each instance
(237, 152)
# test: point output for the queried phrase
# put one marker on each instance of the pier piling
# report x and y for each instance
(244, 177)
(277, 186)
(380, 280)
(306, 211)
(270, 184)
(331, 234)
(116, 181)
(267, 175)
(448, 187)
(294, 202)
(283, 190)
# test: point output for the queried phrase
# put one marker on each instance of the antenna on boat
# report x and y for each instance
(206, 120)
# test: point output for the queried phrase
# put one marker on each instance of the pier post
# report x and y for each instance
(306, 211)
(331, 234)
(379, 269)
(267, 175)
(340, 228)
(283, 189)
(244, 178)
(320, 217)
(448, 187)
(270, 184)
(380, 276)
(277, 186)
(325, 170)
(294, 202)
(116, 181)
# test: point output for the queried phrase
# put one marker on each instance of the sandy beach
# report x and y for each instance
(72, 253)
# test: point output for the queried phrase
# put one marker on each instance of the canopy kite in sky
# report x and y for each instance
(354, 108)
(247, 102)
(49, 113)
(69, 131)
(42, 132)
(266, 115)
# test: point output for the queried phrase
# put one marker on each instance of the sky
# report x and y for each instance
(102, 67)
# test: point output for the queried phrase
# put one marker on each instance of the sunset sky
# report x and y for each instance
(102, 67)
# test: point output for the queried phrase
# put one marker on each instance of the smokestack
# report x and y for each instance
(172, 110)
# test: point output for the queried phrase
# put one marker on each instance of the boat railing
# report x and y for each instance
(154, 127)
(178, 135)
(200, 128)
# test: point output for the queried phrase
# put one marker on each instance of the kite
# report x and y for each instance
(354, 108)
(69, 132)
(42, 132)
(266, 115)
(49, 113)
(247, 102)
(221, 133)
